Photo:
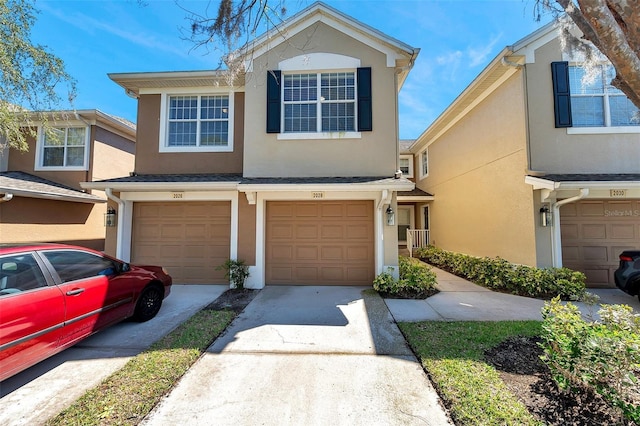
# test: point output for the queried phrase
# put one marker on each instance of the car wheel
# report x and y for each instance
(149, 304)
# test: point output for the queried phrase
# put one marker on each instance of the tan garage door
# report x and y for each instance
(595, 232)
(190, 239)
(320, 243)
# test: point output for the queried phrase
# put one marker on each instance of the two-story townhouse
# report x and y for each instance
(535, 165)
(40, 195)
(289, 165)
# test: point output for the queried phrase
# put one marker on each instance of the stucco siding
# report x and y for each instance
(112, 155)
(374, 154)
(149, 160)
(482, 206)
(558, 150)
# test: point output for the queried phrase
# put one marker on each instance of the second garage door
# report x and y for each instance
(320, 242)
(594, 233)
(189, 239)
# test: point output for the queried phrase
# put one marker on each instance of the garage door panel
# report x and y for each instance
(325, 234)
(594, 233)
(191, 239)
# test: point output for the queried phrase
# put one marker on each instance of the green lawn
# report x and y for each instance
(452, 355)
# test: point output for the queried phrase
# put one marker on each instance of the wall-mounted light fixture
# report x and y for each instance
(546, 217)
(391, 216)
(110, 217)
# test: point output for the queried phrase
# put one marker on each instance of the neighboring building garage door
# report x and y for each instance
(320, 243)
(594, 233)
(190, 239)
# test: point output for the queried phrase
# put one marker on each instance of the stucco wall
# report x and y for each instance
(557, 150)
(112, 155)
(149, 160)
(482, 206)
(246, 230)
(64, 222)
(374, 154)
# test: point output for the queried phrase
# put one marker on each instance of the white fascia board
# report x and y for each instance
(51, 196)
(325, 187)
(414, 198)
(598, 185)
(160, 186)
(540, 183)
(528, 45)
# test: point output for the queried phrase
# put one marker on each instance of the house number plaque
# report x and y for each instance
(177, 195)
(317, 195)
(618, 193)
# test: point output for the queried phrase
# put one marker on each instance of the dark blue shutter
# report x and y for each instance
(561, 94)
(273, 101)
(365, 107)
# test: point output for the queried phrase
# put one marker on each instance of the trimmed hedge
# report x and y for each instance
(417, 281)
(498, 274)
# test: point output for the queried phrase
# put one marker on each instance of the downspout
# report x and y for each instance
(120, 231)
(556, 243)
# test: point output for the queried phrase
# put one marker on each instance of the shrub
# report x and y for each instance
(235, 271)
(416, 280)
(498, 274)
(603, 356)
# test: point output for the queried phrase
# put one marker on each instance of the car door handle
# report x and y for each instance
(75, 291)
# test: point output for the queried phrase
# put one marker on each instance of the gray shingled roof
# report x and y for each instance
(415, 193)
(27, 185)
(188, 178)
(405, 144)
(595, 177)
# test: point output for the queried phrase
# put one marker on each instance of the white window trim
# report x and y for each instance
(40, 149)
(422, 174)
(410, 158)
(603, 130)
(164, 122)
(318, 63)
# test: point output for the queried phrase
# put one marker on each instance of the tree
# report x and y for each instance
(30, 77)
(613, 28)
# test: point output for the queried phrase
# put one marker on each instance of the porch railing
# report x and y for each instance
(417, 238)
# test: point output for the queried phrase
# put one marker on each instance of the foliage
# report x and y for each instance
(128, 395)
(498, 274)
(452, 353)
(236, 272)
(30, 77)
(610, 27)
(416, 280)
(603, 356)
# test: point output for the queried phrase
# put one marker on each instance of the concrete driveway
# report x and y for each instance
(308, 356)
(42, 391)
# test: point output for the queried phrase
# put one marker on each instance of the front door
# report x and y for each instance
(404, 223)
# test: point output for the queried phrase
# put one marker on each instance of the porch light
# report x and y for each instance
(110, 217)
(391, 216)
(546, 217)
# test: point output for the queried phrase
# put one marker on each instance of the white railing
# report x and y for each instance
(417, 238)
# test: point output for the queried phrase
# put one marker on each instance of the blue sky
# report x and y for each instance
(457, 40)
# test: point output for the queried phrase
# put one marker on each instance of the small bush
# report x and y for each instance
(235, 271)
(603, 356)
(498, 274)
(416, 281)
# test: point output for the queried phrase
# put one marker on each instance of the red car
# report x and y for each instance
(54, 295)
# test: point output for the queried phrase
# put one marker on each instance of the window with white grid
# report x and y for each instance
(63, 147)
(596, 103)
(323, 102)
(198, 121)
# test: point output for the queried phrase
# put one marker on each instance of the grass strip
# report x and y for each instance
(129, 394)
(452, 353)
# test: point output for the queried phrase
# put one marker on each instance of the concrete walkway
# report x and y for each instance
(306, 356)
(461, 300)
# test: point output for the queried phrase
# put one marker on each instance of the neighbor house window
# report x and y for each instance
(424, 163)
(596, 103)
(406, 165)
(319, 102)
(64, 147)
(199, 122)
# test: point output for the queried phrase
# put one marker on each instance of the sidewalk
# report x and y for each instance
(461, 300)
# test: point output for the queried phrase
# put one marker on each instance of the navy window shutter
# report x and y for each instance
(365, 107)
(273, 101)
(561, 94)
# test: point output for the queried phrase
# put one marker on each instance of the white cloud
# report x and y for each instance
(479, 55)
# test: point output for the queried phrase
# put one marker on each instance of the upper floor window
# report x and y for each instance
(406, 165)
(319, 102)
(197, 123)
(319, 96)
(64, 148)
(424, 163)
(596, 103)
